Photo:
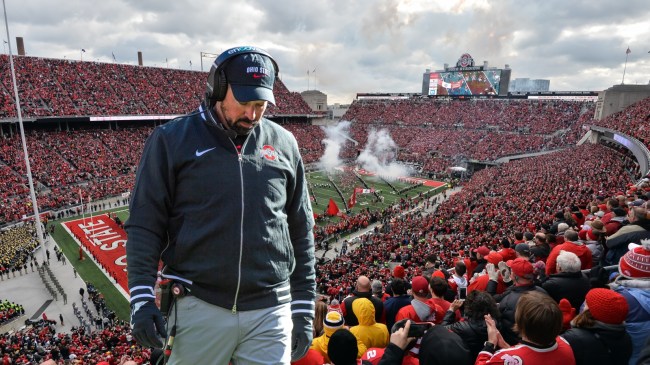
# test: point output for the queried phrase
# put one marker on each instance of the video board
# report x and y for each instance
(466, 83)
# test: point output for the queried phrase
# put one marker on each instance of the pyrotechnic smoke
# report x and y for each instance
(336, 137)
(380, 154)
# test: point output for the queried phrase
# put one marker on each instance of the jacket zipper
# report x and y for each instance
(241, 224)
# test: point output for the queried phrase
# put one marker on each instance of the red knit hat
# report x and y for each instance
(607, 305)
(399, 272)
(635, 264)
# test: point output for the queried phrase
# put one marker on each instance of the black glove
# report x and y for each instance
(147, 324)
(301, 337)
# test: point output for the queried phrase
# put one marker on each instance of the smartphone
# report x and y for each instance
(462, 293)
(418, 329)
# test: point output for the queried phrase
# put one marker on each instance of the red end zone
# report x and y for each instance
(105, 241)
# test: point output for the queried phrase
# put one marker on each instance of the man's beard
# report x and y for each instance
(237, 126)
(240, 129)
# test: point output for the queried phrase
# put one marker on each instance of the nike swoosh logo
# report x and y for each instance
(201, 153)
(258, 76)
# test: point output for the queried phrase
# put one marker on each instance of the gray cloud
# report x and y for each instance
(355, 46)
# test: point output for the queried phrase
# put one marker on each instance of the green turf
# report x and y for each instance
(116, 301)
(89, 272)
(390, 196)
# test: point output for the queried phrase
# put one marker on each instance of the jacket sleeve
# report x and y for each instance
(450, 318)
(485, 357)
(301, 225)
(146, 227)
(551, 261)
(619, 238)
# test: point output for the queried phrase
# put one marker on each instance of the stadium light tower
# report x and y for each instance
(37, 218)
(207, 54)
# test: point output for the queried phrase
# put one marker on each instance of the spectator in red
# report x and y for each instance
(481, 281)
(539, 322)
(507, 252)
(571, 244)
(616, 222)
(420, 309)
(438, 287)
(478, 266)
(522, 277)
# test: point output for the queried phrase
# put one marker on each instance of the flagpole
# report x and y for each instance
(627, 54)
(32, 193)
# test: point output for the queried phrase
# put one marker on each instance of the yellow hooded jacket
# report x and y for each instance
(371, 333)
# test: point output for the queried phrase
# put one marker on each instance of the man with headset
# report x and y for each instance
(221, 199)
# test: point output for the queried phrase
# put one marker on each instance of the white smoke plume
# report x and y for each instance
(336, 137)
(380, 154)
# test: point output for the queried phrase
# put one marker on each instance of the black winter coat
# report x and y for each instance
(602, 344)
(507, 304)
(473, 333)
(573, 286)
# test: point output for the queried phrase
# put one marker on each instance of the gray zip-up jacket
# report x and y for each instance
(234, 227)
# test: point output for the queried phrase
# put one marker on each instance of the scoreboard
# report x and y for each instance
(466, 80)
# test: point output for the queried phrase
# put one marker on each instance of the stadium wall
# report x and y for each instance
(619, 97)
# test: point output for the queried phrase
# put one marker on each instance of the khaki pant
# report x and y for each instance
(211, 335)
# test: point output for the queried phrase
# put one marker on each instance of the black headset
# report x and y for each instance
(217, 85)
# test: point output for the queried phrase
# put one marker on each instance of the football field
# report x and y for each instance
(102, 258)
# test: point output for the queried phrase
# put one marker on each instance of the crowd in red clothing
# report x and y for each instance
(480, 129)
(41, 341)
(521, 196)
(498, 202)
(54, 87)
(633, 121)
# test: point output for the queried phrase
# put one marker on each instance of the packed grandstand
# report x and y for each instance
(424, 234)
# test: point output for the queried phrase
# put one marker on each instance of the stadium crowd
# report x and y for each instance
(463, 244)
(54, 87)
(514, 239)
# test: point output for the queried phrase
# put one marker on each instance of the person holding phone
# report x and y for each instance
(438, 346)
(472, 330)
(539, 321)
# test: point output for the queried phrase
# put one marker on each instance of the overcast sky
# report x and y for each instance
(353, 46)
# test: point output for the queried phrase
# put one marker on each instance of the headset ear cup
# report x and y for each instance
(210, 90)
(221, 86)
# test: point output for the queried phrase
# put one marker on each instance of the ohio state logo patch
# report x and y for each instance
(512, 360)
(269, 153)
